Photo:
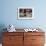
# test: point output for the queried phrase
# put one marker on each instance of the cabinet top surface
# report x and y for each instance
(22, 30)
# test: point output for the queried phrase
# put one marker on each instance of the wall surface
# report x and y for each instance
(9, 13)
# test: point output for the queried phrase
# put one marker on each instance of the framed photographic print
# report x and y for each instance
(25, 13)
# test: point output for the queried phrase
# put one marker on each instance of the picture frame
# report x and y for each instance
(25, 13)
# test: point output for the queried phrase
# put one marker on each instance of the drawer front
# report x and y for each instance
(13, 33)
(37, 45)
(34, 33)
(12, 44)
(37, 39)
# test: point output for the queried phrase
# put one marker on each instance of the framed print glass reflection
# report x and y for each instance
(25, 13)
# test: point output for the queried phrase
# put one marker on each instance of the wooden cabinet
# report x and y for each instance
(23, 39)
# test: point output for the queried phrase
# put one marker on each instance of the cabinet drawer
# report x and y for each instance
(34, 33)
(20, 44)
(37, 44)
(13, 33)
(37, 39)
(8, 45)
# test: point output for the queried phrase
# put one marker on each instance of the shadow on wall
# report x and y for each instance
(2, 26)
